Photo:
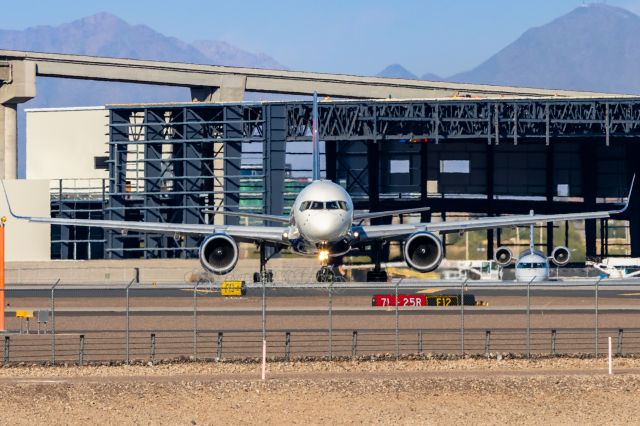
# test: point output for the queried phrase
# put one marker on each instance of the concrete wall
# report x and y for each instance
(25, 241)
(62, 143)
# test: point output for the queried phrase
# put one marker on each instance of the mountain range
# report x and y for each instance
(594, 47)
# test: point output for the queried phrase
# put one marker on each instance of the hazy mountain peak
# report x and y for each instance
(397, 71)
(590, 48)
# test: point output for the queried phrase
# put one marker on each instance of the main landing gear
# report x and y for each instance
(265, 275)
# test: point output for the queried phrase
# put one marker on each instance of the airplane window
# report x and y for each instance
(332, 205)
(317, 205)
(342, 204)
(305, 206)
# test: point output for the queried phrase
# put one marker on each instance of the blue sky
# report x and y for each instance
(345, 36)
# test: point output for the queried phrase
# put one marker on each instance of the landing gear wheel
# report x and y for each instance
(325, 275)
(267, 274)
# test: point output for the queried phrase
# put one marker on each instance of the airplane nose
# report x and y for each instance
(324, 227)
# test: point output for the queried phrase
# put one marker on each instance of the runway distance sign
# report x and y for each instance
(417, 300)
(233, 288)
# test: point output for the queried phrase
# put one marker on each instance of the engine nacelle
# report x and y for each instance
(560, 256)
(503, 256)
(423, 251)
(219, 254)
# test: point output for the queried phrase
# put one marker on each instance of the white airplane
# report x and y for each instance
(322, 223)
(532, 265)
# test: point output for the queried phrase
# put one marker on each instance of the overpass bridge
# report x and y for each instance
(212, 83)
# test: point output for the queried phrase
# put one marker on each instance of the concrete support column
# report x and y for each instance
(9, 141)
(231, 90)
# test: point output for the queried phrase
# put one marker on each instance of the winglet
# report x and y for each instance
(626, 205)
(6, 197)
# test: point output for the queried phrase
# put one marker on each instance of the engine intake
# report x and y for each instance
(503, 256)
(219, 254)
(560, 256)
(423, 251)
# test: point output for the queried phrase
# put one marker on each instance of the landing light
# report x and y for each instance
(323, 256)
(356, 235)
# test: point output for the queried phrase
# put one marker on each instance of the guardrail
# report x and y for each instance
(142, 322)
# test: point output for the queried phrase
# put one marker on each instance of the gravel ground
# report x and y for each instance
(468, 391)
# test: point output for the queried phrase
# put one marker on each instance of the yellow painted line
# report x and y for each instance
(431, 290)
(190, 290)
(630, 294)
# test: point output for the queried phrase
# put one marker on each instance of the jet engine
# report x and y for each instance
(560, 256)
(219, 254)
(503, 256)
(423, 251)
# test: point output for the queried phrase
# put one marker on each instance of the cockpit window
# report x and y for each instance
(332, 205)
(317, 205)
(532, 265)
(342, 204)
(305, 206)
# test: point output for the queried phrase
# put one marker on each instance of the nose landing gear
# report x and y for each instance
(326, 274)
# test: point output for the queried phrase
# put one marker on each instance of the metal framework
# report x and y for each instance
(170, 162)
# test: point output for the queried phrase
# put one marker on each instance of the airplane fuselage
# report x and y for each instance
(532, 265)
(321, 219)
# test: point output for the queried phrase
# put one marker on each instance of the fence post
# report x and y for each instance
(529, 317)
(152, 353)
(487, 342)
(553, 342)
(354, 343)
(219, 350)
(397, 322)
(330, 320)
(619, 348)
(287, 346)
(420, 349)
(81, 351)
(7, 344)
(195, 320)
(53, 322)
(462, 315)
(597, 324)
(127, 312)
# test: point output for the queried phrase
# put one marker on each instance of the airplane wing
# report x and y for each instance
(241, 233)
(372, 215)
(269, 217)
(372, 232)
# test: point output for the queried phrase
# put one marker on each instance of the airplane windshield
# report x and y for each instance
(530, 265)
(319, 205)
(305, 206)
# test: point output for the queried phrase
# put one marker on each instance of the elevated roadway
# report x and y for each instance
(212, 83)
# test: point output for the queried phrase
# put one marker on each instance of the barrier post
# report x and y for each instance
(529, 317)
(597, 330)
(610, 358)
(462, 315)
(620, 334)
(2, 272)
(127, 313)
(397, 322)
(219, 348)
(331, 320)
(81, 350)
(53, 322)
(195, 320)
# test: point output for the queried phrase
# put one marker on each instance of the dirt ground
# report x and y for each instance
(556, 391)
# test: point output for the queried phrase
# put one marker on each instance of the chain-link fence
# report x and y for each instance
(65, 323)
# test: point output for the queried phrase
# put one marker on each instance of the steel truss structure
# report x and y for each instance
(178, 162)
